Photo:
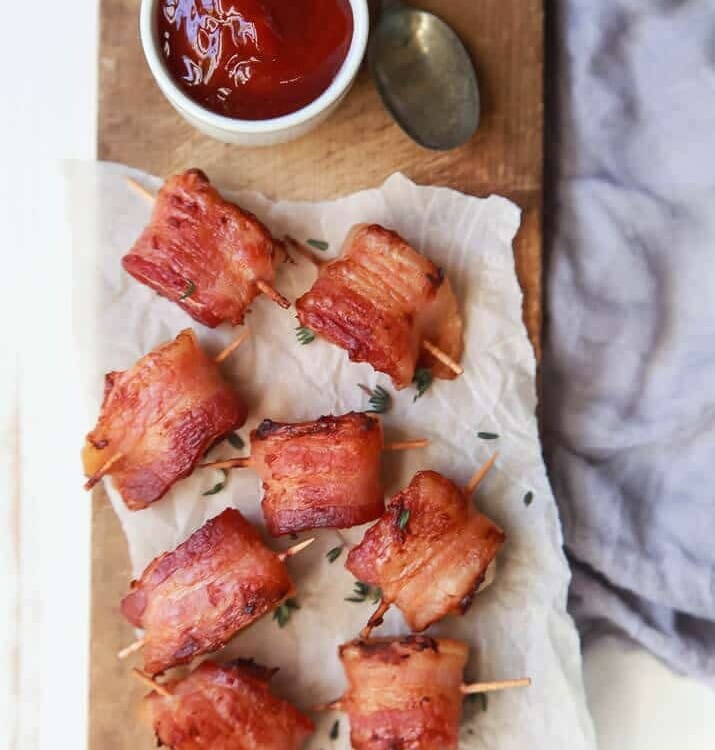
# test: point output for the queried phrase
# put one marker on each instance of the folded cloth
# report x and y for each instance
(629, 369)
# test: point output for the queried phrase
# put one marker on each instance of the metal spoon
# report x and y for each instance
(425, 76)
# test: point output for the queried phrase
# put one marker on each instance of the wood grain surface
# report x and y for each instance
(358, 147)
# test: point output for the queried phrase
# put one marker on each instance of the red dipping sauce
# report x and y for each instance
(254, 59)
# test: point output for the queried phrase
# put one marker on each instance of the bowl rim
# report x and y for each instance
(339, 85)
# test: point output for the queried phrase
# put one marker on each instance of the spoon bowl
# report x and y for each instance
(425, 77)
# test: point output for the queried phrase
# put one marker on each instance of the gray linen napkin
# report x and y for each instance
(629, 369)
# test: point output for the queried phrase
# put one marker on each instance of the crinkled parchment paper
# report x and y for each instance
(518, 626)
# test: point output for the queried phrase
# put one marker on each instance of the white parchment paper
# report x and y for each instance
(518, 626)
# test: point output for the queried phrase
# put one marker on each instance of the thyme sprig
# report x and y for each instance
(335, 730)
(403, 519)
(380, 400)
(304, 335)
(423, 380)
(218, 486)
(362, 592)
(321, 245)
(480, 698)
(190, 289)
(236, 441)
(283, 613)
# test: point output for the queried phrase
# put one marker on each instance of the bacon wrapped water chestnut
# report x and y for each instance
(225, 707)
(403, 693)
(428, 553)
(206, 254)
(407, 692)
(386, 304)
(195, 599)
(322, 473)
(157, 420)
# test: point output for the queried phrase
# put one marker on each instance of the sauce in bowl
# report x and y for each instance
(254, 59)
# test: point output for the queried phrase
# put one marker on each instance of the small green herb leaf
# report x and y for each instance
(380, 400)
(219, 485)
(487, 435)
(321, 245)
(284, 611)
(304, 335)
(361, 592)
(236, 441)
(361, 588)
(334, 554)
(335, 731)
(480, 698)
(190, 289)
(423, 380)
(403, 519)
(528, 498)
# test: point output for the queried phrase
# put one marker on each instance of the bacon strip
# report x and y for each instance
(380, 300)
(202, 252)
(226, 707)
(404, 693)
(324, 473)
(161, 415)
(429, 552)
(195, 599)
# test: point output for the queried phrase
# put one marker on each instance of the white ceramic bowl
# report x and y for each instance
(255, 132)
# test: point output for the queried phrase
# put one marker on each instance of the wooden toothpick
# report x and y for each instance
(489, 687)
(131, 648)
(406, 445)
(295, 549)
(231, 348)
(474, 482)
(102, 470)
(443, 357)
(150, 682)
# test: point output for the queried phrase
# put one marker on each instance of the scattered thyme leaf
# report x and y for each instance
(236, 441)
(334, 553)
(528, 498)
(219, 485)
(423, 380)
(304, 335)
(380, 400)
(283, 613)
(403, 519)
(361, 588)
(335, 731)
(321, 245)
(487, 435)
(480, 698)
(361, 592)
(190, 289)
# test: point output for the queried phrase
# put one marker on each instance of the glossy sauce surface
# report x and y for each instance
(254, 59)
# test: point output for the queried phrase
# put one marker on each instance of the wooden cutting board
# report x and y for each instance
(358, 147)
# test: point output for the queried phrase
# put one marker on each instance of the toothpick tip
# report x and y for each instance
(296, 548)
